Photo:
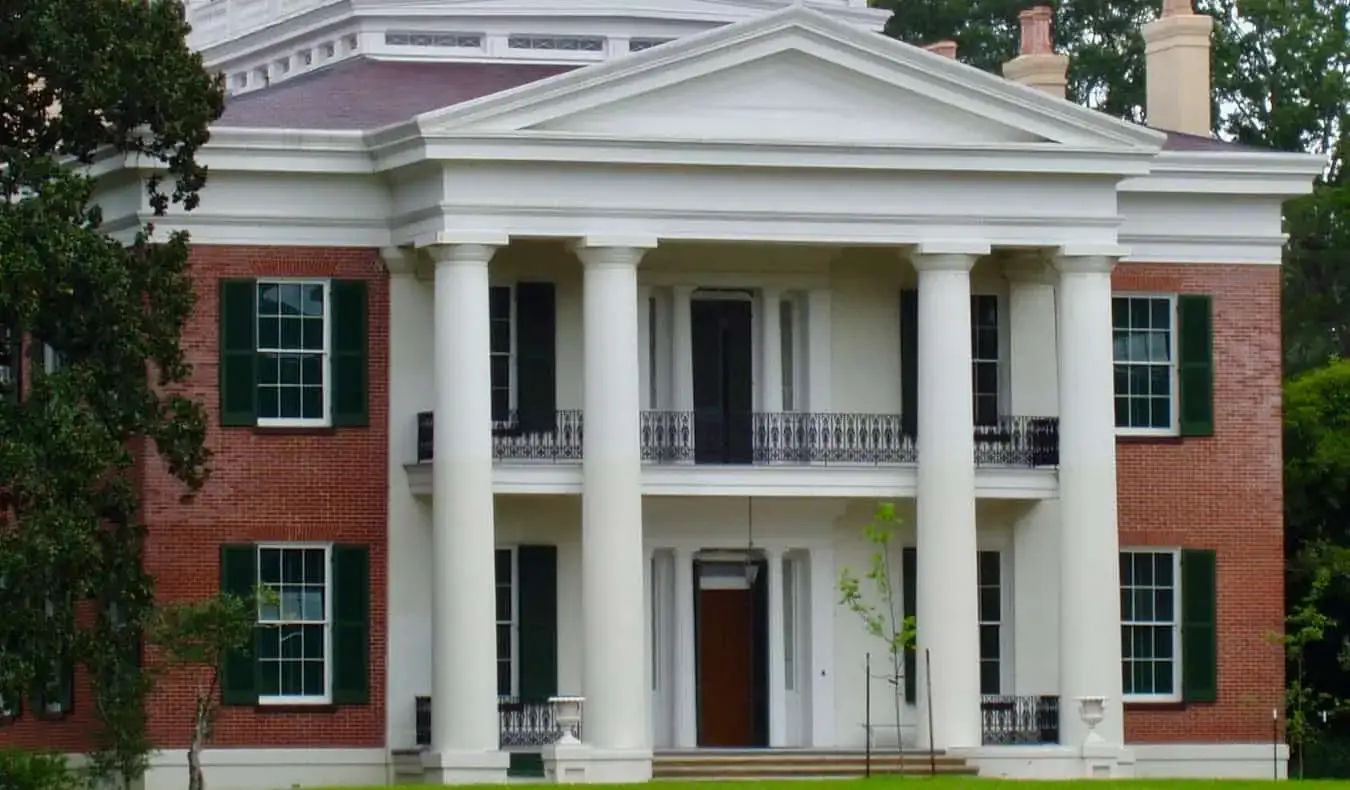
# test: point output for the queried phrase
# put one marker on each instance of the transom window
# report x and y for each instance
(293, 345)
(293, 651)
(501, 309)
(991, 621)
(1149, 629)
(506, 622)
(984, 357)
(1144, 336)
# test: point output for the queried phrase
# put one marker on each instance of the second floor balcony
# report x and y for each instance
(766, 439)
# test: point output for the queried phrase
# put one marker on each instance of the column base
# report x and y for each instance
(465, 768)
(1105, 761)
(581, 763)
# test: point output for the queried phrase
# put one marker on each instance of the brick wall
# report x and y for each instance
(326, 485)
(1224, 493)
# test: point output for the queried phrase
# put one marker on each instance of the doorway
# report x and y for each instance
(731, 644)
(723, 384)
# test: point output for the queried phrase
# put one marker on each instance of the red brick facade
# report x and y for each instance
(1223, 492)
(281, 485)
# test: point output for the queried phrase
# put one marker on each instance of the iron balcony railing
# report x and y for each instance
(785, 439)
(523, 725)
(1019, 721)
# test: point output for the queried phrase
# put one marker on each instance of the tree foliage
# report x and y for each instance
(80, 80)
(198, 636)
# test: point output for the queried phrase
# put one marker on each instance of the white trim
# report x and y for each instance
(1173, 366)
(326, 355)
(1177, 659)
(329, 585)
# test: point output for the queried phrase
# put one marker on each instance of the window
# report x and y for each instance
(1144, 355)
(991, 621)
(502, 316)
(506, 623)
(293, 647)
(984, 357)
(52, 360)
(786, 308)
(9, 358)
(1149, 630)
(293, 339)
(652, 324)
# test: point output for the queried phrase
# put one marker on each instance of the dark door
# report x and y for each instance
(725, 669)
(722, 381)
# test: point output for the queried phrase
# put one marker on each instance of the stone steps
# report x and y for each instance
(799, 763)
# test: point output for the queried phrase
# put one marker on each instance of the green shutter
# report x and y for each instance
(351, 625)
(909, 586)
(909, 362)
(1199, 631)
(536, 358)
(238, 353)
(537, 579)
(1195, 364)
(239, 576)
(351, 365)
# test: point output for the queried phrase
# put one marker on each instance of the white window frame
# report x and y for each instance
(791, 612)
(513, 356)
(1174, 389)
(1176, 695)
(327, 697)
(1002, 623)
(325, 365)
(514, 622)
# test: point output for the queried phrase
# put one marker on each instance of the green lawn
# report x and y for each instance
(894, 783)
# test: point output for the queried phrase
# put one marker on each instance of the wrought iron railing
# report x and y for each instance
(1018, 441)
(510, 442)
(1012, 721)
(788, 438)
(523, 726)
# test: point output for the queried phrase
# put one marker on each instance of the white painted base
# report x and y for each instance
(580, 763)
(265, 769)
(1149, 761)
(1211, 761)
(465, 768)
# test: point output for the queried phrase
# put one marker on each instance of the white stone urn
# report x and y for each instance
(567, 715)
(1092, 710)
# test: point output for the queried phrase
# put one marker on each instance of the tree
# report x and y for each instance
(886, 621)
(199, 636)
(78, 78)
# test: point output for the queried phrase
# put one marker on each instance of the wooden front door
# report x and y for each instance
(725, 669)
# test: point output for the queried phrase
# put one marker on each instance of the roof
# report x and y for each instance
(363, 94)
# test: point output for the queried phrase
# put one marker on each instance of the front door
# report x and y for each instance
(732, 621)
(722, 380)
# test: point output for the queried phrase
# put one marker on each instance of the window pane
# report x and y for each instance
(501, 370)
(269, 333)
(990, 570)
(311, 334)
(499, 303)
(503, 678)
(269, 565)
(503, 560)
(1161, 317)
(315, 642)
(1163, 570)
(1120, 312)
(1159, 347)
(290, 333)
(504, 604)
(989, 677)
(1143, 605)
(1139, 313)
(290, 299)
(1126, 605)
(313, 679)
(989, 642)
(501, 337)
(989, 605)
(268, 299)
(1143, 677)
(270, 679)
(503, 642)
(269, 644)
(1162, 641)
(1141, 643)
(313, 300)
(1162, 677)
(1143, 569)
(292, 678)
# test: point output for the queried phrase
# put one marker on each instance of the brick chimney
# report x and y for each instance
(1177, 78)
(946, 48)
(1036, 63)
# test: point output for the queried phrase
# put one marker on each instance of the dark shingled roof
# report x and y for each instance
(363, 94)
(366, 94)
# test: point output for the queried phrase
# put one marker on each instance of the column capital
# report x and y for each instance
(1029, 267)
(1084, 264)
(461, 254)
(399, 260)
(942, 261)
(629, 254)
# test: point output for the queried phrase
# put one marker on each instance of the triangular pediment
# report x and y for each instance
(793, 76)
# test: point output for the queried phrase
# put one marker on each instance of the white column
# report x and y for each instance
(686, 700)
(947, 610)
(777, 657)
(1033, 366)
(464, 730)
(1089, 601)
(819, 325)
(645, 361)
(682, 349)
(771, 348)
(613, 676)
